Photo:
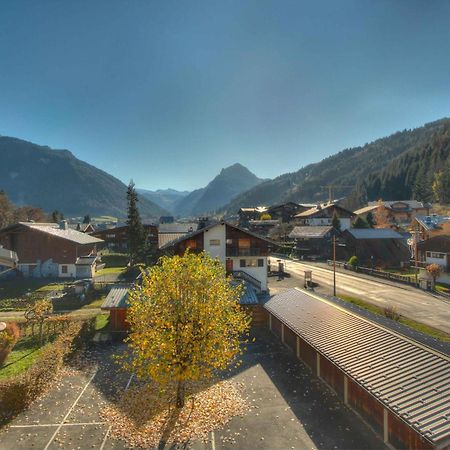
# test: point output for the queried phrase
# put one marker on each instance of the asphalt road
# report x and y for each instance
(410, 302)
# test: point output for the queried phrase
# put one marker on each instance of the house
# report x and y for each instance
(400, 212)
(401, 388)
(322, 215)
(243, 253)
(287, 211)
(51, 250)
(262, 227)
(169, 232)
(117, 238)
(436, 250)
(251, 213)
(427, 227)
(375, 247)
(8, 261)
(313, 242)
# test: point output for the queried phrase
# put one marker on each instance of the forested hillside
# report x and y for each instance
(408, 158)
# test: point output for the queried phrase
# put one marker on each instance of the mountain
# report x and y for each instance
(230, 182)
(165, 198)
(37, 175)
(369, 172)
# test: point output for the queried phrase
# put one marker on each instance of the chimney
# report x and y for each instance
(63, 225)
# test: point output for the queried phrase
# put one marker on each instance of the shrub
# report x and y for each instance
(353, 261)
(391, 312)
(19, 391)
(8, 339)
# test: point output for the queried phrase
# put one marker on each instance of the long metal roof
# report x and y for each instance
(116, 298)
(411, 380)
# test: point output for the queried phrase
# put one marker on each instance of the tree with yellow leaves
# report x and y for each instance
(185, 322)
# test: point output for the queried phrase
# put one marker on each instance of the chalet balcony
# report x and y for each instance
(252, 251)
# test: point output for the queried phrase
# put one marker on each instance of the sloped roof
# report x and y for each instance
(440, 244)
(374, 233)
(195, 233)
(411, 380)
(366, 209)
(309, 232)
(432, 222)
(323, 207)
(412, 204)
(53, 229)
(116, 298)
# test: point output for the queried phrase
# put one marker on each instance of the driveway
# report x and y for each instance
(411, 302)
(291, 409)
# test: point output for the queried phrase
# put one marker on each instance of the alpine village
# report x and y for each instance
(307, 309)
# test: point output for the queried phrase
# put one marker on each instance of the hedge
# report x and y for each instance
(17, 392)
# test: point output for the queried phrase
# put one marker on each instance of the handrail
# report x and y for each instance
(247, 277)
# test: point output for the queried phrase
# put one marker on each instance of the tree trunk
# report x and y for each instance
(180, 394)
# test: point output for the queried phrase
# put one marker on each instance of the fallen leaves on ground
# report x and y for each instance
(143, 418)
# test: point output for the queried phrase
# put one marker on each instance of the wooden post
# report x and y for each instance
(270, 322)
(385, 426)
(345, 390)
(282, 333)
(318, 364)
(298, 347)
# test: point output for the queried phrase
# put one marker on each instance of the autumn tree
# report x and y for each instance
(434, 270)
(29, 214)
(382, 216)
(39, 313)
(185, 322)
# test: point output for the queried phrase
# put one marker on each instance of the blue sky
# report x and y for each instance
(169, 92)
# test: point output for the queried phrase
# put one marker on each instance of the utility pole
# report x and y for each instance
(334, 265)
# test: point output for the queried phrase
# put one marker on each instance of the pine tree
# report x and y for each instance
(136, 233)
(370, 219)
(336, 222)
(87, 219)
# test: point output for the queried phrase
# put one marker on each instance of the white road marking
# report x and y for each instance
(213, 441)
(33, 425)
(70, 410)
(110, 427)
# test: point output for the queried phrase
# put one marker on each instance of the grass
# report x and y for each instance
(442, 287)
(24, 354)
(418, 326)
(110, 271)
(114, 259)
(20, 287)
(101, 321)
(95, 303)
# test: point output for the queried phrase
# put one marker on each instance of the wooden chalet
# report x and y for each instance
(117, 238)
(322, 215)
(51, 250)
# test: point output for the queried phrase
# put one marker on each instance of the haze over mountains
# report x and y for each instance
(36, 175)
(400, 166)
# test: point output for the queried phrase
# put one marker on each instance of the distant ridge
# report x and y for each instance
(398, 166)
(55, 179)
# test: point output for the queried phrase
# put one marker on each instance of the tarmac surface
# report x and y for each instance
(411, 302)
(291, 408)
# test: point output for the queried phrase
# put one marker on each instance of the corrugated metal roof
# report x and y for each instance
(374, 233)
(116, 298)
(411, 380)
(248, 296)
(309, 232)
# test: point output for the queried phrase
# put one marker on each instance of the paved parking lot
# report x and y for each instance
(291, 409)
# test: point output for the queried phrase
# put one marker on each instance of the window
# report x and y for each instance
(191, 243)
(63, 269)
(242, 263)
(260, 263)
(252, 263)
(214, 242)
(437, 255)
(244, 243)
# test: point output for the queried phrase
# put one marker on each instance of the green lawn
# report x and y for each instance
(101, 321)
(25, 352)
(20, 287)
(441, 287)
(110, 271)
(433, 332)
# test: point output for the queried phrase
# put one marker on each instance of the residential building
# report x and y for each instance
(243, 253)
(287, 211)
(322, 215)
(436, 250)
(51, 250)
(313, 242)
(397, 212)
(398, 386)
(375, 247)
(427, 227)
(263, 227)
(250, 213)
(117, 238)
(169, 232)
